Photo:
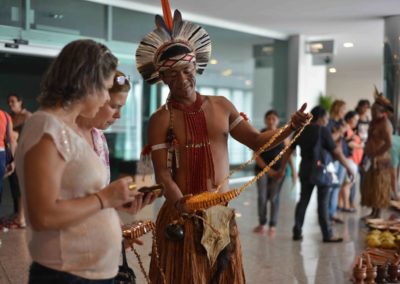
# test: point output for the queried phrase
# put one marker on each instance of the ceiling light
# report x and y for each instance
(268, 49)
(248, 83)
(213, 61)
(348, 44)
(316, 47)
(332, 70)
(227, 72)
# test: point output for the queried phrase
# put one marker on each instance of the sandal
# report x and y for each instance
(15, 224)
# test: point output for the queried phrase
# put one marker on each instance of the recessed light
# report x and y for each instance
(248, 82)
(227, 72)
(213, 61)
(332, 70)
(348, 44)
(317, 46)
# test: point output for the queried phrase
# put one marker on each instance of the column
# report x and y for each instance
(392, 64)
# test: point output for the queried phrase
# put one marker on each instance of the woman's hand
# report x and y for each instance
(117, 194)
(129, 244)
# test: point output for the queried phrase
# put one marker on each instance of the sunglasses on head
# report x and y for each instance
(121, 80)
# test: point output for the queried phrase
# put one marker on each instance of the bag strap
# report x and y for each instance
(124, 260)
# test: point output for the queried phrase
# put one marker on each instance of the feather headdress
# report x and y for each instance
(382, 101)
(172, 43)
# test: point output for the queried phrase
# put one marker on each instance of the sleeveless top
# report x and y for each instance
(91, 248)
(4, 118)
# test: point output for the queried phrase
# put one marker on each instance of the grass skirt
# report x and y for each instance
(376, 186)
(186, 262)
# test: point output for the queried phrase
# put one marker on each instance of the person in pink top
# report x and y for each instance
(355, 146)
(92, 128)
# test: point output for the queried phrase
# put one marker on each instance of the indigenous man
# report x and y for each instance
(188, 144)
(376, 186)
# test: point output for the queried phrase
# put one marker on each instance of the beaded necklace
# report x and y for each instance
(198, 151)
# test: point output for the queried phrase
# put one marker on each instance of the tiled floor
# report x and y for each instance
(266, 259)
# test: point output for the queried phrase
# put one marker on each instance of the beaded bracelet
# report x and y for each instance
(100, 200)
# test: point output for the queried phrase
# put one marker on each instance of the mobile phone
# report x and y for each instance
(157, 189)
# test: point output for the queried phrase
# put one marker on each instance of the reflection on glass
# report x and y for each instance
(127, 130)
(12, 13)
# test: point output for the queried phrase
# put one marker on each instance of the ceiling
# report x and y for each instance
(357, 21)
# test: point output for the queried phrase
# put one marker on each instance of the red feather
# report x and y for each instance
(167, 14)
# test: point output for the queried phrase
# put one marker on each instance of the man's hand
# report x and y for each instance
(299, 118)
(180, 204)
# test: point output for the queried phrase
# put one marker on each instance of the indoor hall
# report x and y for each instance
(267, 59)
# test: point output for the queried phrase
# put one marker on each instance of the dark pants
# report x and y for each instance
(2, 170)
(40, 274)
(268, 190)
(301, 207)
(15, 192)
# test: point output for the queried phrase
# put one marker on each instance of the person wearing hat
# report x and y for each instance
(376, 185)
(188, 146)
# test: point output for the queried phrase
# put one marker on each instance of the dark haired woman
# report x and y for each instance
(316, 131)
(75, 234)
(269, 185)
(19, 114)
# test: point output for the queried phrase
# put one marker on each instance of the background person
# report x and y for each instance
(314, 133)
(19, 115)
(376, 186)
(270, 184)
(336, 126)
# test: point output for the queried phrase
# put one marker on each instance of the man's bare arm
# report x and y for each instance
(158, 126)
(246, 134)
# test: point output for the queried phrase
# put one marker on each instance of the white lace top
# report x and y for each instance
(90, 249)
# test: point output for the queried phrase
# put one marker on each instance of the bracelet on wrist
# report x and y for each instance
(178, 205)
(100, 201)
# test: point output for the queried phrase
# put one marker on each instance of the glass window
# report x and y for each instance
(207, 91)
(73, 17)
(164, 94)
(126, 132)
(131, 26)
(11, 13)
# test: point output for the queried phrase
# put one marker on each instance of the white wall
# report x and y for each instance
(312, 82)
(262, 94)
(311, 78)
(356, 85)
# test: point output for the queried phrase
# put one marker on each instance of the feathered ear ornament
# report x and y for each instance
(377, 94)
(382, 100)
